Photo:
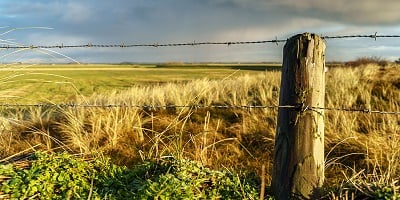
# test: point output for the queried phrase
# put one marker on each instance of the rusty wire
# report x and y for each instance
(233, 107)
(123, 45)
(194, 43)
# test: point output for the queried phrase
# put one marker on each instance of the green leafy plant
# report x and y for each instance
(62, 176)
(50, 176)
(183, 179)
(387, 192)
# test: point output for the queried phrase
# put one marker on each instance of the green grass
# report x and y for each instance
(60, 83)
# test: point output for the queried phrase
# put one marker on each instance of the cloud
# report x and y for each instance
(170, 21)
(69, 11)
(76, 12)
(362, 12)
(359, 12)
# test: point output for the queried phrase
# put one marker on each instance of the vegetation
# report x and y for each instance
(61, 176)
(373, 60)
(362, 156)
(59, 83)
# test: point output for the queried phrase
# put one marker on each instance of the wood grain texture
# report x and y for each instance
(299, 143)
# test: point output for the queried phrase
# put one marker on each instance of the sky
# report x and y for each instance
(75, 22)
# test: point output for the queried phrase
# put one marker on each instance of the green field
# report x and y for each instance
(64, 82)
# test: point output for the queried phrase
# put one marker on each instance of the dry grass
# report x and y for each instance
(360, 146)
(373, 60)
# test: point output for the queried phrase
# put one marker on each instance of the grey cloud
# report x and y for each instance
(361, 12)
(126, 20)
(77, 12)
(144, 21)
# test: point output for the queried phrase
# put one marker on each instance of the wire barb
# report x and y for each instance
(375, 35)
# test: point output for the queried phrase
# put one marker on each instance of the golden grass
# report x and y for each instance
(358, 144)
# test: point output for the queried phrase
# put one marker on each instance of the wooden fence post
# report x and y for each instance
(299, 143)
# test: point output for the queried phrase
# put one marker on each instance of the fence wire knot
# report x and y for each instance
(367, 111)
(374, 36)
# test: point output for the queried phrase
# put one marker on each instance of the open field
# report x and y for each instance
(59, 83)
(362, 154)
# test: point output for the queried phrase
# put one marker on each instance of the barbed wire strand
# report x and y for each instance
(194, 43)
(156, 107)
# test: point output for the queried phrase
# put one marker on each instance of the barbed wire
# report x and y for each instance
(157, 107)
(194, 43)
(373, 36)
(90, 45)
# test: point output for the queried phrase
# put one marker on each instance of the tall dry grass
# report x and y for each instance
(370, 88)
(245, 90)
(364, 147)
(358, 145)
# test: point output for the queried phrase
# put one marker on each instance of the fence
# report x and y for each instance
(12, 45)
(156, 107)
(299, 144)
(194, 43)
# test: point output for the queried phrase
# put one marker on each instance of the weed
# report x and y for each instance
(62, 176)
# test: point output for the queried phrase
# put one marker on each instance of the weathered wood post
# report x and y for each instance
(299, 143)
